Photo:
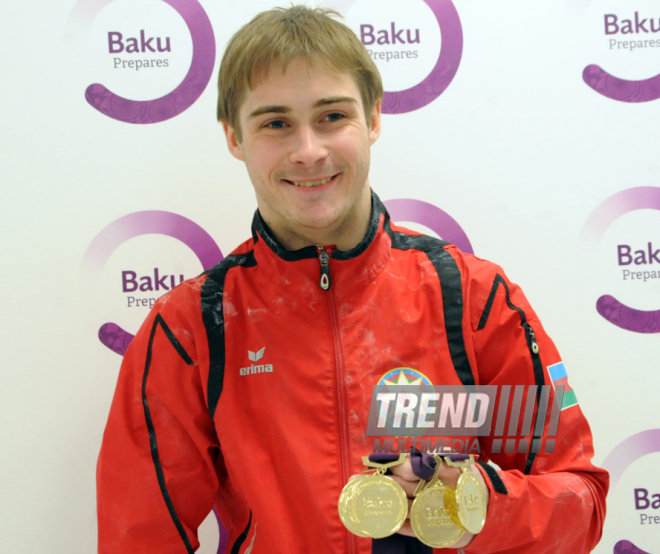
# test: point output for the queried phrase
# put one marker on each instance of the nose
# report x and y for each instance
(308, 147)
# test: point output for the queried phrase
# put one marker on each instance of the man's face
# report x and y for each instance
(306, 146)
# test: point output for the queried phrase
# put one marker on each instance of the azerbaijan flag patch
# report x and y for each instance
(559, 376)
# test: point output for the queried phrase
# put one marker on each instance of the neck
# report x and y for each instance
(345, 234)
(346, 237)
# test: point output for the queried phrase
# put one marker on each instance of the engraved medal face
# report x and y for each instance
(373, 506)
(430, 520)
(471, 503)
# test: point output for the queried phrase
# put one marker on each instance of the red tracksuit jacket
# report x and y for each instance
(248, 389)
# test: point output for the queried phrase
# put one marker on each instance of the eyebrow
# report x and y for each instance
(269, 109)
(285, 109)
(335, 100)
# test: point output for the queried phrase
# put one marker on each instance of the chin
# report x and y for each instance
(319, 221)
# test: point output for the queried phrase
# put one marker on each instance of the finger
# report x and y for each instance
(449, 475)
(408, 487)
(405, 471)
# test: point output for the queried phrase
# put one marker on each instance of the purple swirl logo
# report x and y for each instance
(619, 459)
(623, 90)
(134, 225)
(184, 95)
(633, 33)
(432, 217)
(617, 313)
(626, 547)
(444, 71)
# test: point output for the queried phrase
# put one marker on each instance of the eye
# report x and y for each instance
(334, 116)
(276, 124)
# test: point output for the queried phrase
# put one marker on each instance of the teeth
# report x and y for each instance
(312, 183)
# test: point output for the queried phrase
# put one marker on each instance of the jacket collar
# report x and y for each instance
(260, 230)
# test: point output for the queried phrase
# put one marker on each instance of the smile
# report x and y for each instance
(312, 183)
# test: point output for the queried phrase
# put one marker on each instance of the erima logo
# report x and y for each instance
(255, 357)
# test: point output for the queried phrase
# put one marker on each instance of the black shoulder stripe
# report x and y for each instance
(499, 280)
(489, 303)
(213, 316)
(536, 360)
(152, 431)
(495, 479)
(241, 539)
(175, 342)
(246, 260)
(451, 286)
(452, 301)
(401, 241)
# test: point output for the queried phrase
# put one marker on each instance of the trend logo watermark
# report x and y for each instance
(134, 225)
(423, 410)
(178, 100)
(403, 44)
(614, 311)
(630, 32)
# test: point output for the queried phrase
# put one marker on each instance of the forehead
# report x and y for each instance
(301, 85)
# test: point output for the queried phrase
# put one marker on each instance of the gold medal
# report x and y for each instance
(373, 506)
(430, 520)
(469, 501)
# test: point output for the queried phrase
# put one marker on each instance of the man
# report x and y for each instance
(248, 388)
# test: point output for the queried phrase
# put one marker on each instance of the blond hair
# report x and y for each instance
(282, 35)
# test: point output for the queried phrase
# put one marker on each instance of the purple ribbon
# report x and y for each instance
(423, 463)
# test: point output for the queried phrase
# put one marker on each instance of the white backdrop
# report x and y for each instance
(536, 132)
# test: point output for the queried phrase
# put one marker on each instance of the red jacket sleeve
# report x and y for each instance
(156, 473)
(543, 502)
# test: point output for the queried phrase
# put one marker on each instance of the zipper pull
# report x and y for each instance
(324, 283)
(532, 340)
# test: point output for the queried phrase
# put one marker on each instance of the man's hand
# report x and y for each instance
(404, 475)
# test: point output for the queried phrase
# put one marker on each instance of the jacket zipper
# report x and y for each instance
(531, 338)
(324, 258)
(325, 283)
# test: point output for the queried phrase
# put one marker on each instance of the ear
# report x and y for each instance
(374, 127)
(232, 142)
